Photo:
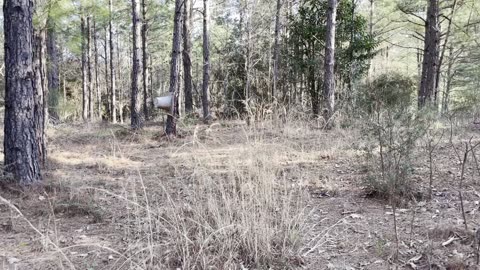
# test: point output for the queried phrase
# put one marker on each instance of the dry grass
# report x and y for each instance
(213, 199)
(276, 194)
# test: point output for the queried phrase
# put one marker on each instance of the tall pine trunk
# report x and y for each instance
(89, 68)
(52, 70)
(107, 83)
(171, 125)
(41, 92)
(95, 62)
(136, 117)
(84, 72)
(113, 90)
(329, 72)
(187, 52)
(430, 55)
(21, 155)
(206, 62)
(145, 73)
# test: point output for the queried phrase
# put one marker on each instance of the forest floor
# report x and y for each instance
(102, 183)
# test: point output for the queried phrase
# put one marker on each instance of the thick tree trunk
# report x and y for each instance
(171, 125)
(187, 51)
(145, 73)
(21, 155)
(276, 49)
(113, 90)
(206, 62)
(430, 55)
(53, 70)
(329, 75)
(136, 117)
(84, 72)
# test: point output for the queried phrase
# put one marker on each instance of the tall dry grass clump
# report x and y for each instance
(234, 210)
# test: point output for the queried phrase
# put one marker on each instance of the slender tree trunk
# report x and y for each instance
(145, 73)
(136, 116)
(84, 72)
(97, 83)
(53, 70)
(41, 93)
(187, 51)
(122, 83)
(107, 83)
(450, 74)
(89, 68)
(430, 55)
(329, 75)
(21, 155)
(276, 49)
(248, 53)
(444, 47)
(171, 125)
(206, 61)
(113, 90)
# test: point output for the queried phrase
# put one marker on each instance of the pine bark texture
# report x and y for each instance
(206, 61)
(187, 52)
(53, 70)
(430, 55)
(21, 155)
(41, 93)
(171, 125)
(329, 72)
(136, 116)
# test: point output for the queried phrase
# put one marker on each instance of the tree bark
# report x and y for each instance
(276, 49)
(107, 83)
(145, 73)
(206, 62)
(171, 125)
(95, 62)
(136, 117)
(430, 55)
(52, 70)
(89, 69)
(329, 75)
(187, 51)
(113, 102)
(21, 155)
(84, 72)
(41, 93)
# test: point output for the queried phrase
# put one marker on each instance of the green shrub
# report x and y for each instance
(392, 126)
